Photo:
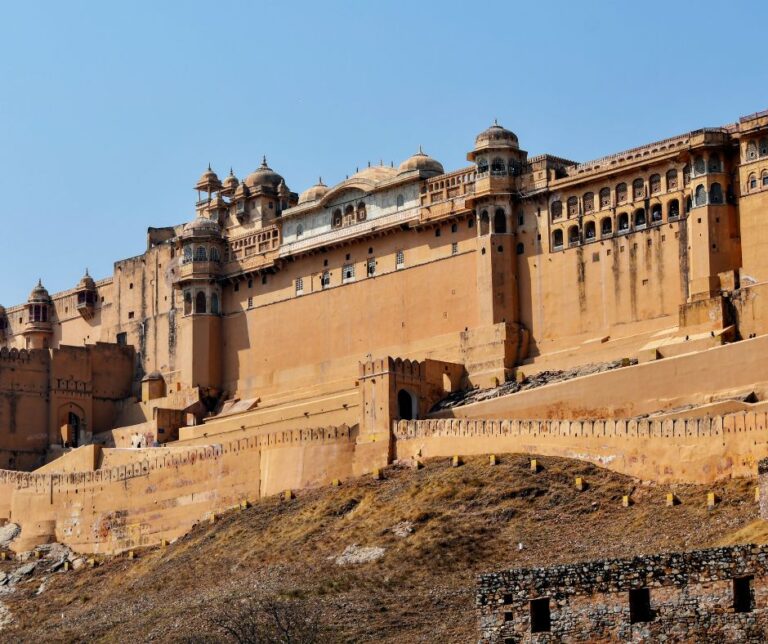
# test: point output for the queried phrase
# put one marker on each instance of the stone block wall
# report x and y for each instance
(713, 595)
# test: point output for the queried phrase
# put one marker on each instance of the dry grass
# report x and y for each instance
(466, 520)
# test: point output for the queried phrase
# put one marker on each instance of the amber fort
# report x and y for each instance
(279, 340)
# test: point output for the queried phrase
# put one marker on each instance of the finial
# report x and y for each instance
(209, 167)
(320, 181)
(39, 281)
(357, 168)
(369, 164)
(391, 164)
(495, 121)
(86, 272)
(381, 161)
(231, 173)
(264, 161)
(420, 150)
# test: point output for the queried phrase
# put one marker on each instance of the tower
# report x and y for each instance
(38, 329)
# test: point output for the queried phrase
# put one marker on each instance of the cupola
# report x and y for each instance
(318, 191)
(86, 296)
(422, 163)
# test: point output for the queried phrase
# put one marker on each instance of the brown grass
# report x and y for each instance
(466, 520)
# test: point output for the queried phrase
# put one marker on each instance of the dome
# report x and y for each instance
(201, 226)
(314, 193)
(231, 182)
(375, 173)
(2, 311)
(241, 192)
(208, 180)
(263, 177)
(496, 137)
(422, 162)
(39, 293)
(86, 282)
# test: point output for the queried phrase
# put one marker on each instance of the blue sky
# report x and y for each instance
(110, 111)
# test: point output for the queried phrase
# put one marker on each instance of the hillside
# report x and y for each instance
(438, 526)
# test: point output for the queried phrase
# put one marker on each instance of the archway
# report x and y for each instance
(406, 405)
(73, 420)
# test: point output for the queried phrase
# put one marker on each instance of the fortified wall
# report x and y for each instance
(714, 595)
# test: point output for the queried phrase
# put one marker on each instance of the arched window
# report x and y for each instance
(215, 255)
(640, 217)
(336, 221)
(763, 147)
(557, 238)
(349, 215)
(656, 215)
(655, 183)
(200, 254)
(765, 178)
(482, 165)
(714, 163)
(573, 235)
(638, 189)
(497, 166)
(573, 207)
(621, 193)
(716, 193)
(698, 165)
(400, 201)
(688, 203)
(361, 211)
(556, 209)
(485, 222)
(671, 179)
(200, 302)
(752, 182)
(499, 221)
(589, 201)
(406, 405)
(215, 303)
(673, 209)
(686, 175)
(700, 198)
(623, 222)
(520, 248)
(606, 226)
(187, 303)
(299, 230)
(589, 230)
(605, 198)
(187, 254)
(751, 151)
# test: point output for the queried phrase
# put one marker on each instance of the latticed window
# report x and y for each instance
(764, 147)
(751, 151)
(361, 212)
(299, 285)
(573, 206)
(336, 220)
(325, 279)
(556, 210)
(187, 254)
(348, 273)
(671, 179)
(716, 193)
(454, 248)
(589, 201)
(655, 183)
(399, 259)
(605, 198)
(638, 189)
(621, 193)
(200, 254)
(698, 165)
(701, 196)
(714, 163)
(371, 266)
(557, 239)
(752, 182)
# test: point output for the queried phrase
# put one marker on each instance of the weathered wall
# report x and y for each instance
(698, 450)
(691, 599)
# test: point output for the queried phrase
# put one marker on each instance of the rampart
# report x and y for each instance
(159, 493)
(695, 450)
(714, 595)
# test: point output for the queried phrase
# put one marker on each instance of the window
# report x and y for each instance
(686, 175)
(621, 193)
(347, 273)
(482, 165)
(605, 198)
(471, 223)
(336, 219)
(589, 201)
(399, 259)
(714, 163)
(299, 230)
(520, 248)
(200, 302)
(640, 217)
(700, 198)
(454, 228)
(673, 209)
(716, 194)
(187, 254)
(263, 279)
(623, 222)
(215, 303)
(497, 167)
(130, 286)
(361, 214)
(765, 178)
(606, 226)
(325, 279)
(438, 232)
(763, 147)
(589, 230)
(573, 206)
(250, 302)
(215, 254)
(752, 182)
(499, 221)
(638, 189)
(671, 179)
(299, 285)
(751, 151)
(400, 201)
(371, 266)
(655, 183)
(200, 254)
(742, 595)
(656, 215)
(130, 315)
(698, 166)
(557, 239)
(573, 235)
(187, 303)
(556, 209)
(541, 620)
(521, 218)
(640, 605)
(454, 248)
(349, 215)
(122, 339)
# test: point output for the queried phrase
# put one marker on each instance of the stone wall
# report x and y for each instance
(693, 597)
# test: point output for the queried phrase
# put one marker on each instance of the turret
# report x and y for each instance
(3, 324)
(209, 184)
(38, 329)
(86, 296)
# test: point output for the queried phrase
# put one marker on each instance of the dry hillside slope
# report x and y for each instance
(438, 526)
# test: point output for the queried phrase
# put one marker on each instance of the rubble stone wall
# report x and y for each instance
(692, 598)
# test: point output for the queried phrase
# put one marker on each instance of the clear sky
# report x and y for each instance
(109, 111)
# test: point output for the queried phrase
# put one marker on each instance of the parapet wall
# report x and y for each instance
(714, 595)
(695, 450)
(161, 492)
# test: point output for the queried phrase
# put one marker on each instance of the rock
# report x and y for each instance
(8, 533)
(78, 563)
(26, 569)
(402, 529)
(355, 554)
